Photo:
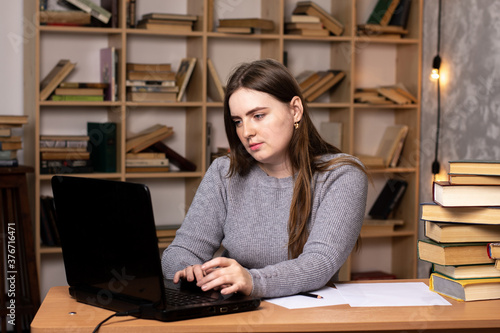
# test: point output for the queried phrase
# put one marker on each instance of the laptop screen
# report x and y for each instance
(108, 238)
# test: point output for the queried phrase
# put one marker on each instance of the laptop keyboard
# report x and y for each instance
(174, 297)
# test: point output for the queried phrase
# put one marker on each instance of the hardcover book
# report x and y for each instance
(50, 82)
(183, 75)
(461, 232)
(448, 195)
(479, 215)
(102, 146)
(453, 253)
(311, 8)
(388, 198)
(465, 290)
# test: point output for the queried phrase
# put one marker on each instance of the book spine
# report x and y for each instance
(102, 146)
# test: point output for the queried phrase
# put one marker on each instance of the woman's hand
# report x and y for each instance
(225, 274)
(190, 273)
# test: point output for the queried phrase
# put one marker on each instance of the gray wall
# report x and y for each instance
(470, 90)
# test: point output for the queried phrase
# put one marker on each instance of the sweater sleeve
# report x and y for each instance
(201, 232)
(336, 219)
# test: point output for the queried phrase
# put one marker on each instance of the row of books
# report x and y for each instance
(10, 143)
(173, 23)
(79, 13)
(65, 154)
(463, 235)
(145, 82)
(315, 83)
(395, 94)
(389, 149)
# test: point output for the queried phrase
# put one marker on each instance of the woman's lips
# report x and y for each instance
(255, 146)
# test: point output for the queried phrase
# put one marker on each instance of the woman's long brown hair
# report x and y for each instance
(305, 148)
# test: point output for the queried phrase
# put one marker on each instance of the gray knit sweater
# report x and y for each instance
(249, 217)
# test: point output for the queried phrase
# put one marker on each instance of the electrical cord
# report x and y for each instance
(437, 64)
(116, 314)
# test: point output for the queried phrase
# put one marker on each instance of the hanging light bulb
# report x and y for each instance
(436, 64)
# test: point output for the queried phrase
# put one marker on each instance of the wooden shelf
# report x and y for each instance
(347, 52)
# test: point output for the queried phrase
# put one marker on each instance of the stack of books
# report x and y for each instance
(306, 25)
(151, 82)
(461, 231)
(166, 233)
(139, 161)
(388, 19)
(64, 154)
(395, 94)
(80, 91)
(165, 22)
(244, 25)
(310, 8)
(315, 83)
(10, 143)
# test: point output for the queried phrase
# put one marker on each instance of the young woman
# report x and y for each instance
(286, 206)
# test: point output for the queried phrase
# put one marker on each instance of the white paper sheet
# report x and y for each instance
(331, 296)
(389, 294)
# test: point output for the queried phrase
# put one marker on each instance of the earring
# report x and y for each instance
(296, 125)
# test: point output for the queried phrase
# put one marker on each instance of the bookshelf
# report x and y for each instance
(366, 62)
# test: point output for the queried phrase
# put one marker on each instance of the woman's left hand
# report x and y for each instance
(227, 275)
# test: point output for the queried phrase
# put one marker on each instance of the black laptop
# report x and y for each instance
(111, 255)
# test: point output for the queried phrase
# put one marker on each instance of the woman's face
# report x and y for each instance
(264, 125)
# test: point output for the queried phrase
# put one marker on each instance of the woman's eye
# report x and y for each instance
(259, 116)
(237, 122)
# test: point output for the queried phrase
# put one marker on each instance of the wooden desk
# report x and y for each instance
(482, 316)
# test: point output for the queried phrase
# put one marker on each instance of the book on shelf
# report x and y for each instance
(58, 73)
(174, 158)
(376, 30)
(151, 75)
(389, 148)
(144, 155)
(166, 232)
(329, 84)
(65, 155)
(369, 96)
(6, 155)
(108, 63)
(382, 12)
(448, 195)
(13, 162)
(5, 131)
(393, 95)
(14, 145)
(401, 14)
(320, 79)
(304, 25)
(183, 75)
(94, 9)
(103, 145)
(494, 250)
(467, 271)
(150, 83)
(147, 169)
(215, 89)
(153, 162)
(169, 16)
(147, 137)
(79, 91)
(48, 230)
(431, 211)
(65, 166)
(331, 132)
(465, 290)
(463, 253)
(236, 30)
(388, 199)
(75, 85)
(255, 23)
(164, 27)
(443, 232)
(63, 149)
(380, 226)
(112, 7)
(311, 8)
(308, 77)
(154, 89)
(187, 24)
(149, 67)
(299, 18)
(60, 17)
(78, 98)
(475, 167)
(147, 96)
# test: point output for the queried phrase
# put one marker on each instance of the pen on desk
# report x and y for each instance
(310, 295)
